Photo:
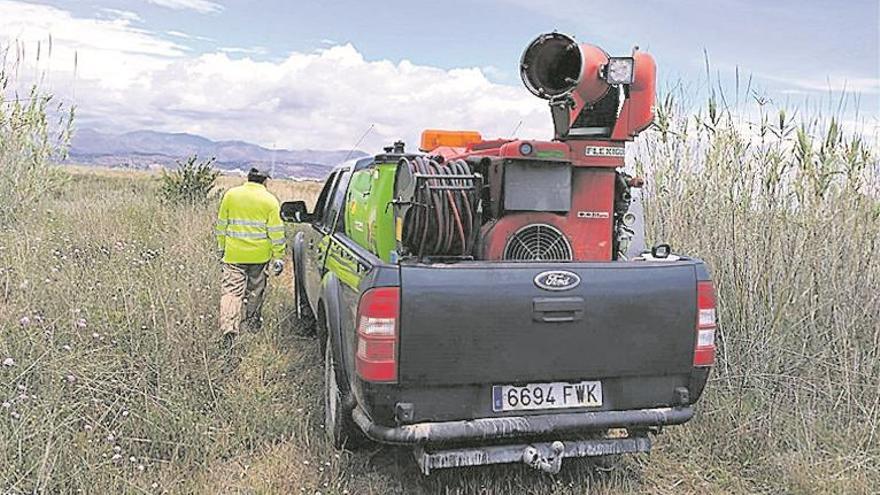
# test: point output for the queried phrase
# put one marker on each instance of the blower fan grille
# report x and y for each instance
(538, 242)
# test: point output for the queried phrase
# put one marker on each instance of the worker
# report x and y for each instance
(250, 235)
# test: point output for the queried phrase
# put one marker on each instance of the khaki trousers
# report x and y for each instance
(242, 290)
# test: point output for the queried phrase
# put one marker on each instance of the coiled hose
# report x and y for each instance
(443, 220)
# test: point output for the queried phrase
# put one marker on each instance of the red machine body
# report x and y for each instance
(588, 225)
(597, 103)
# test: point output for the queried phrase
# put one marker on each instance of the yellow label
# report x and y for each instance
(399, 229)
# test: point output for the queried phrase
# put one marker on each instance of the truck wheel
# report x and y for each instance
(338, 423)
(303, 312)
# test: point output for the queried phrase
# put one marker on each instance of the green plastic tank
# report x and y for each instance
(369, 215)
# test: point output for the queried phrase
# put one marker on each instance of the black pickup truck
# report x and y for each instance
(473, 361)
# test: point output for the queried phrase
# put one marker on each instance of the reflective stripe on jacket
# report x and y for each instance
(249, 227)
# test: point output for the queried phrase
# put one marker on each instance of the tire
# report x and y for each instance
(304, 313)
(338, 424)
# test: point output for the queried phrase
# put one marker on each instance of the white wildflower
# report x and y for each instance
(9, 362)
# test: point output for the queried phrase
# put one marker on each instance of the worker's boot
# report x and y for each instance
(230, 353)
(227, 342)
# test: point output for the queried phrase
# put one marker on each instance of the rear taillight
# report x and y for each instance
(376, 357)
(704, 350)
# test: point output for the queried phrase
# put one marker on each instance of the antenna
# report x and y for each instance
(274, 151)
(515, 129)
(358, 143)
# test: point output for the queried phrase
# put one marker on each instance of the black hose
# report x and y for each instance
(442, 221)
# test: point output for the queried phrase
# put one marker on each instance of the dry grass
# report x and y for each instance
(307, 190)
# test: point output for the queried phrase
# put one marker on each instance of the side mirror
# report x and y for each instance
(295, 211)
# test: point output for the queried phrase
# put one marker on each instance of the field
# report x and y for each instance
(112, 381)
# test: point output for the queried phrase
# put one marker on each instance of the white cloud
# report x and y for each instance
(326, 99)
(112, 52)
(835, 83)
(187, 36)
(255, 50)
(129, 78)
(126, 15)
(202, 6)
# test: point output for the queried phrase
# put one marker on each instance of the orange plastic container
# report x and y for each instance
(434, 138)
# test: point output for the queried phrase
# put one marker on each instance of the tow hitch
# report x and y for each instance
(536, 459)
(544, 456)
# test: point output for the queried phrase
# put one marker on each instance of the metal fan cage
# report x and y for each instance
(538, 242)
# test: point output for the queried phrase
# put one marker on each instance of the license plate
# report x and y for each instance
(557, 395)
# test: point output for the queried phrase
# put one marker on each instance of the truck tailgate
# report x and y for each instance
(489, 323)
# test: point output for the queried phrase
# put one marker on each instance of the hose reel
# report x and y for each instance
(436, 207)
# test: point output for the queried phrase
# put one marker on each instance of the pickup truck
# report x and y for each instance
(472, 361)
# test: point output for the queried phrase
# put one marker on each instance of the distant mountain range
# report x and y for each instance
(151, 149)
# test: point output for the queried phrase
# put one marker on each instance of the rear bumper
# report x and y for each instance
(510, 427)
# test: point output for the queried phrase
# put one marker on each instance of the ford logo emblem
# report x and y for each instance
(557, 280)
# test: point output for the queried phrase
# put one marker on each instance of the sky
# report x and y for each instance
(321, 73)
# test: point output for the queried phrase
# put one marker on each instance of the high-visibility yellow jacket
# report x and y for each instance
(249, 227)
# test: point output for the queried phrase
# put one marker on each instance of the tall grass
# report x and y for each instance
(787, 213)
(29, 142)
